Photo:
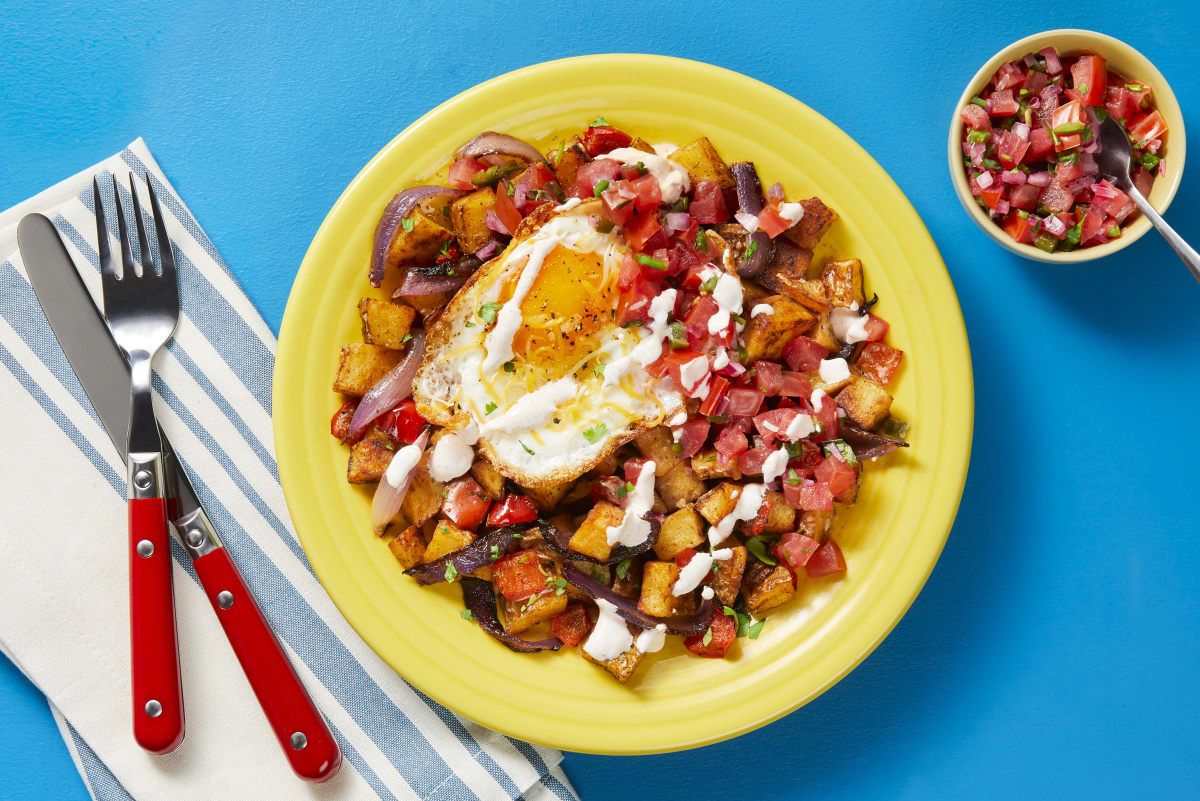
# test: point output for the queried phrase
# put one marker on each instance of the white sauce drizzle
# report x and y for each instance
(570, 204)
(775, 465)
(749, 501)
(499, 341)
(848, 325)
(634, 529)
(679, 419)
(834, 371)
(652, 640)
(534, 409)
(672, 178)
(453, 454)
(402, 464)
(728, 295)
(721, 358)
(792, 212)
(649, 348)
(611, 637)
(692, 574)
(692, 373)
(762, 308)
(818, 395)
(707, 593)
(801, 426)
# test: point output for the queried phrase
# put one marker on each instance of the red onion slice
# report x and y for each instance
(490, 143)
(626, 608)
(417, 284)
(492, 221)
(676, 221)
(1053, 64)
(392, 388)
(487, 251)
(1040, 178)
(387, 499)
(750, 200)
(480, 600)
(389, 223)
(867, 444)
(776, 191)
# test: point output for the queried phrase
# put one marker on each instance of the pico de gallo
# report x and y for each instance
(1029, 144)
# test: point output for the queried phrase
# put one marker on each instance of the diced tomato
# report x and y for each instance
(1119, 206)
(796, 549)
(795, 385)
(768, 377)
(593, 173)
(792, 493)
(771, 221)
(975, 118)
(879, 362)
(751, 462)
(1120, 103)
(619, 201)
(512, 509)
(708, 204)
(1002, 104)
(403, 422)
(816, 497)
(772, 424)
(1057, 197)
(692, 436)
(744, 401)
(716, 396)
(466, 503)
(1141, 96)
(601, 139)
(992, 195)
(519, 575)
(506, 210)
(1011, 149)
(1035, 82)
(1068, 172)
(1024, 197)
(835, 472)
(1072, 113)
(722, 631)
(605, 489)
(642, 228)
(672, 364)
(339, 426)
(649, 193)
(1092, 219)
(804, 354)
(701, 311)
(1146, 128)
(1009, 76)
(529, 189)
(1089, 79)
(1041, 145)
(876, 328)
(827, 417)
(826, 561)
(730, 442)
(462, 171)
(1143, 180)
(633, 469)
(754, 526)
(571, 626)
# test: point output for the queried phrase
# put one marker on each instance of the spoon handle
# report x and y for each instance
(1190, 257)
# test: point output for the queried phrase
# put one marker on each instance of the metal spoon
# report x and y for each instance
(1114, 158)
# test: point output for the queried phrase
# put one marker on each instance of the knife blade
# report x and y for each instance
(104, 374)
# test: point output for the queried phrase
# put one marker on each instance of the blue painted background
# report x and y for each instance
(1055, 651)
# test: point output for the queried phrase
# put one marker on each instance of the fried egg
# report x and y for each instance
(529, 355)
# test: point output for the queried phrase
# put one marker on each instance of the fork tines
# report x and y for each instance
(162, 266)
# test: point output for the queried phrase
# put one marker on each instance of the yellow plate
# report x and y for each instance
(891, 538)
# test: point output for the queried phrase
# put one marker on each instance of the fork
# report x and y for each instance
(142, 310)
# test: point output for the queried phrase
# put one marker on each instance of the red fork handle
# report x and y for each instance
(299, 727)
(154, 649)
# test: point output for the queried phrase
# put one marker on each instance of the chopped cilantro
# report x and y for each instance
(599, 121)
(792, 477)
(489, 407)
(604, 225)
(754, 630)
(649, 261)
(750, 250)
(466, 614)
(624, 489)
(451, 571)
(595, 432)
(707, 638)
(600, 187)
(743, 620)
(641, 168)
(407, 224)
(526, 447)
(405, 338)
(487, 312)
(510, 367)
(758, 548)
(623, 568)
(495, 553)
(701, 241)
(710, 284)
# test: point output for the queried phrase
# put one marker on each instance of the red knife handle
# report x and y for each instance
(299, 727)
(154, 649)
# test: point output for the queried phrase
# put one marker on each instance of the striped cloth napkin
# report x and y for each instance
(63, 558)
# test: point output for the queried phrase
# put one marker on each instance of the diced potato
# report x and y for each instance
(591, 538)
(424, 496)
(447, 538)
(765, 334)
(657, 580)
(682, 529)
(468, 219)
(844, 282)
(370, 457)
(865, 402)
(408, 546)
(606, 466)
(547, 496)
(437, 208)
(727, 581)
(641, 144)
(657, 444)
(420, 244)
(488, 478)
(815, 524)
(822, 332)
(828, 387)
(679, 487)
(385, 322)
(566, 166)
(659, 507)
(787, 274)
(766, 587)
(522, 615)
(706, 464)
(361, 365)
(816, 222)
(620, 667)
(703, 163)
(782, 517)
(718, 502)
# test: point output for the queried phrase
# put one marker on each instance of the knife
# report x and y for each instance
(103, 372)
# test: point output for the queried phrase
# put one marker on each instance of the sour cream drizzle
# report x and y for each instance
(454, 453)
(499, 341)
(534, 409)
(610, 638)
(649, 348)
(775, 465)
(834, 370)
(652, 640)
(728, 295)
(762, 308)
(634, 529)
(402, 464)
(749, 501)
(848, 325)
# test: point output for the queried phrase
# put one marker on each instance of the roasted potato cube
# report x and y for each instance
(591, 538)
(658, 444)
(657, 580)
(782, 517)
(828, 387)
(727, 581)
(447, 538)
(679, 487)
(816, 222)
(370, 457)
(627, 583)
(620, 667)
(385, 322)
(823, 332)
(865, 402)
(641, 144)
(565, 166)
(425, 495)
(706, 464)
(815, 524)
(408, 546)
(488, 478)
(682, 529)
(547, 496)
(421, 242)
(703, 163)
(844, 282)
(765, 334)
(522, 615)
(607, 466)
(360, 366)
(765, 587)
(787, 275)
(718, 502)
(468, 219)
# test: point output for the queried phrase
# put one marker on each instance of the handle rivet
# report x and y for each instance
(299, 741)
(194, 537)
(224, 599)
(153, 708)
(145, 548)
(141, 479)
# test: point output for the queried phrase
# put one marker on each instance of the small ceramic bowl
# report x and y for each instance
(1121, 58)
